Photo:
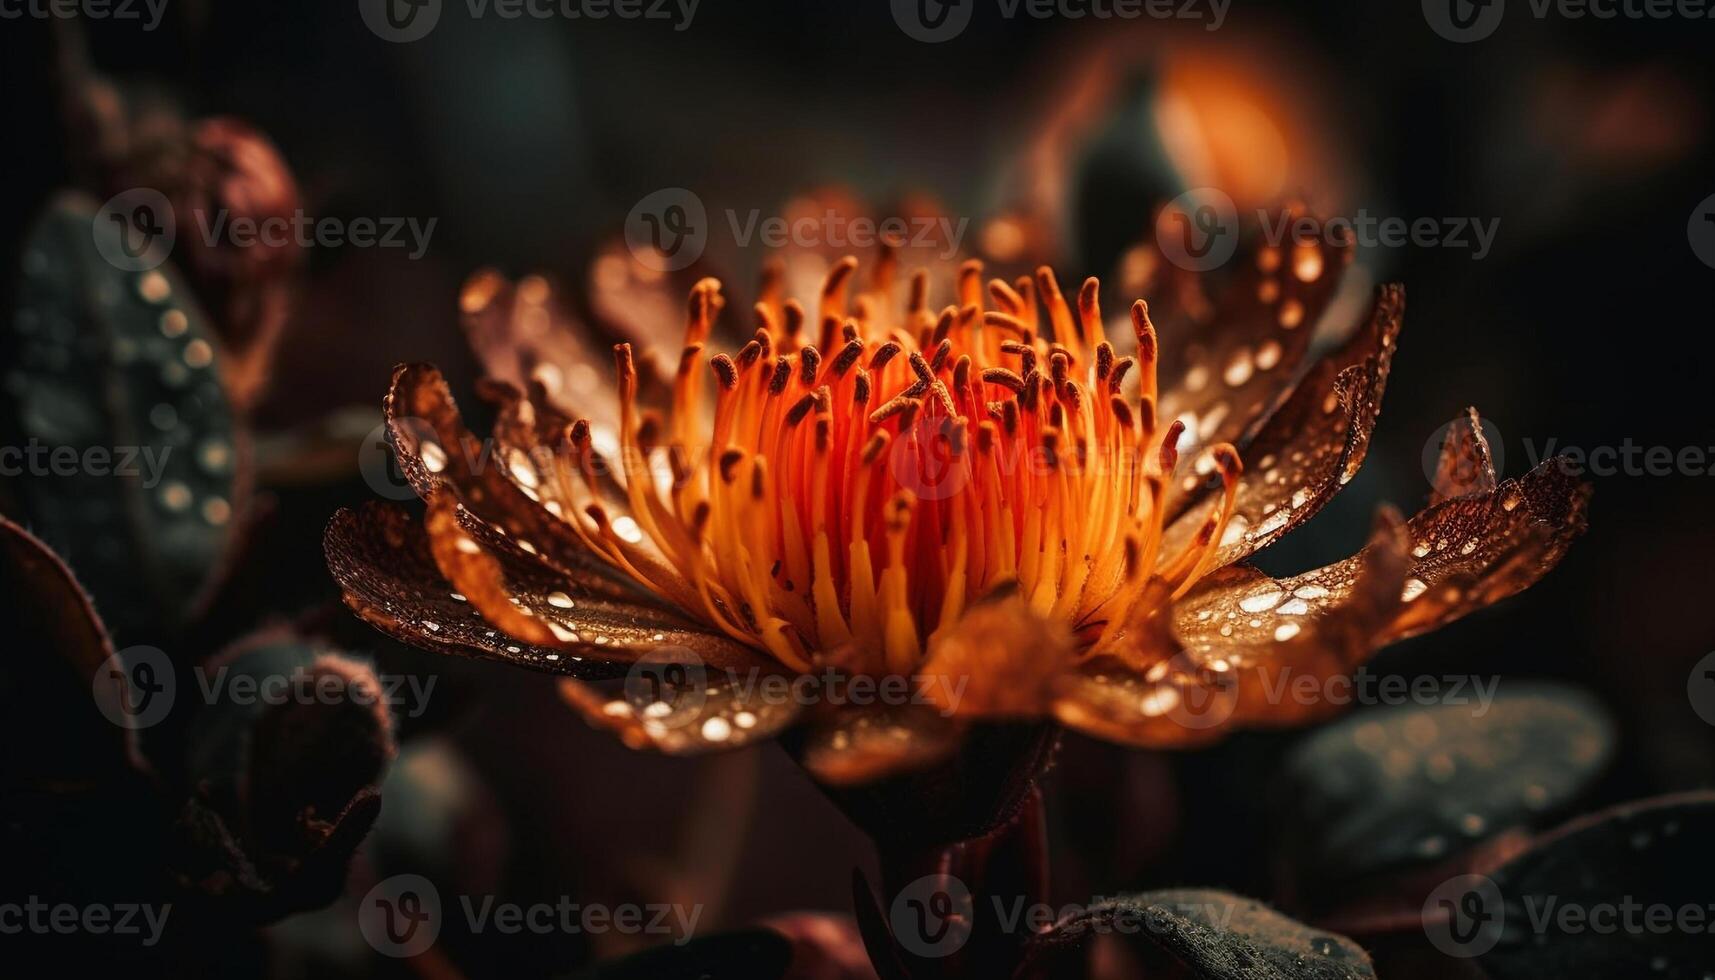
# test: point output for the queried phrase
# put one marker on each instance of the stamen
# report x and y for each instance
(800, 540)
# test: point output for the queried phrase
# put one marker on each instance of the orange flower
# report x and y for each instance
(986, 498)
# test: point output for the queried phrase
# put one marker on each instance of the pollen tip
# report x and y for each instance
(725, 371)
(885, 353)
(800, 408)
(1170, 446)
(875, 446)
(1228, 461)
(848, 356)
(942, 352)
(1122, 412)
(781, 377)
(1145, 331)
(730, 458)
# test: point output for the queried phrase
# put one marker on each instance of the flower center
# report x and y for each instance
(852, 495)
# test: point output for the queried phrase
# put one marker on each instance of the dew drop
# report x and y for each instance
(433, 456)
(1262, 601)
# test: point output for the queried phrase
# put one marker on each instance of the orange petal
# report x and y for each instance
(1466, 466)
(491, 480)
(1238, 359)
(1247, 639)
(857, 745)
(522, 334)
(1314, 445)
(1475, 550)
(382, 560)
(707, 712)
(997, 661)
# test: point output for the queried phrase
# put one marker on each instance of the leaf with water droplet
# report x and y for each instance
(113, 378)
(1315, 440)
(1402, 786)
(1246, 347)
(1210, 935)
(1619, 893)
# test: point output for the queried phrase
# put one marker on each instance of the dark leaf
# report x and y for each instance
(1411, 785)
(1208, 935)
(1620, 893)
(50, 722)
(116, 376)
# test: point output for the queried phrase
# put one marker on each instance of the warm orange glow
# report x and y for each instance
(867, 476)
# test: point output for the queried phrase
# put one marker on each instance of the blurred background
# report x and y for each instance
(529, 141)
